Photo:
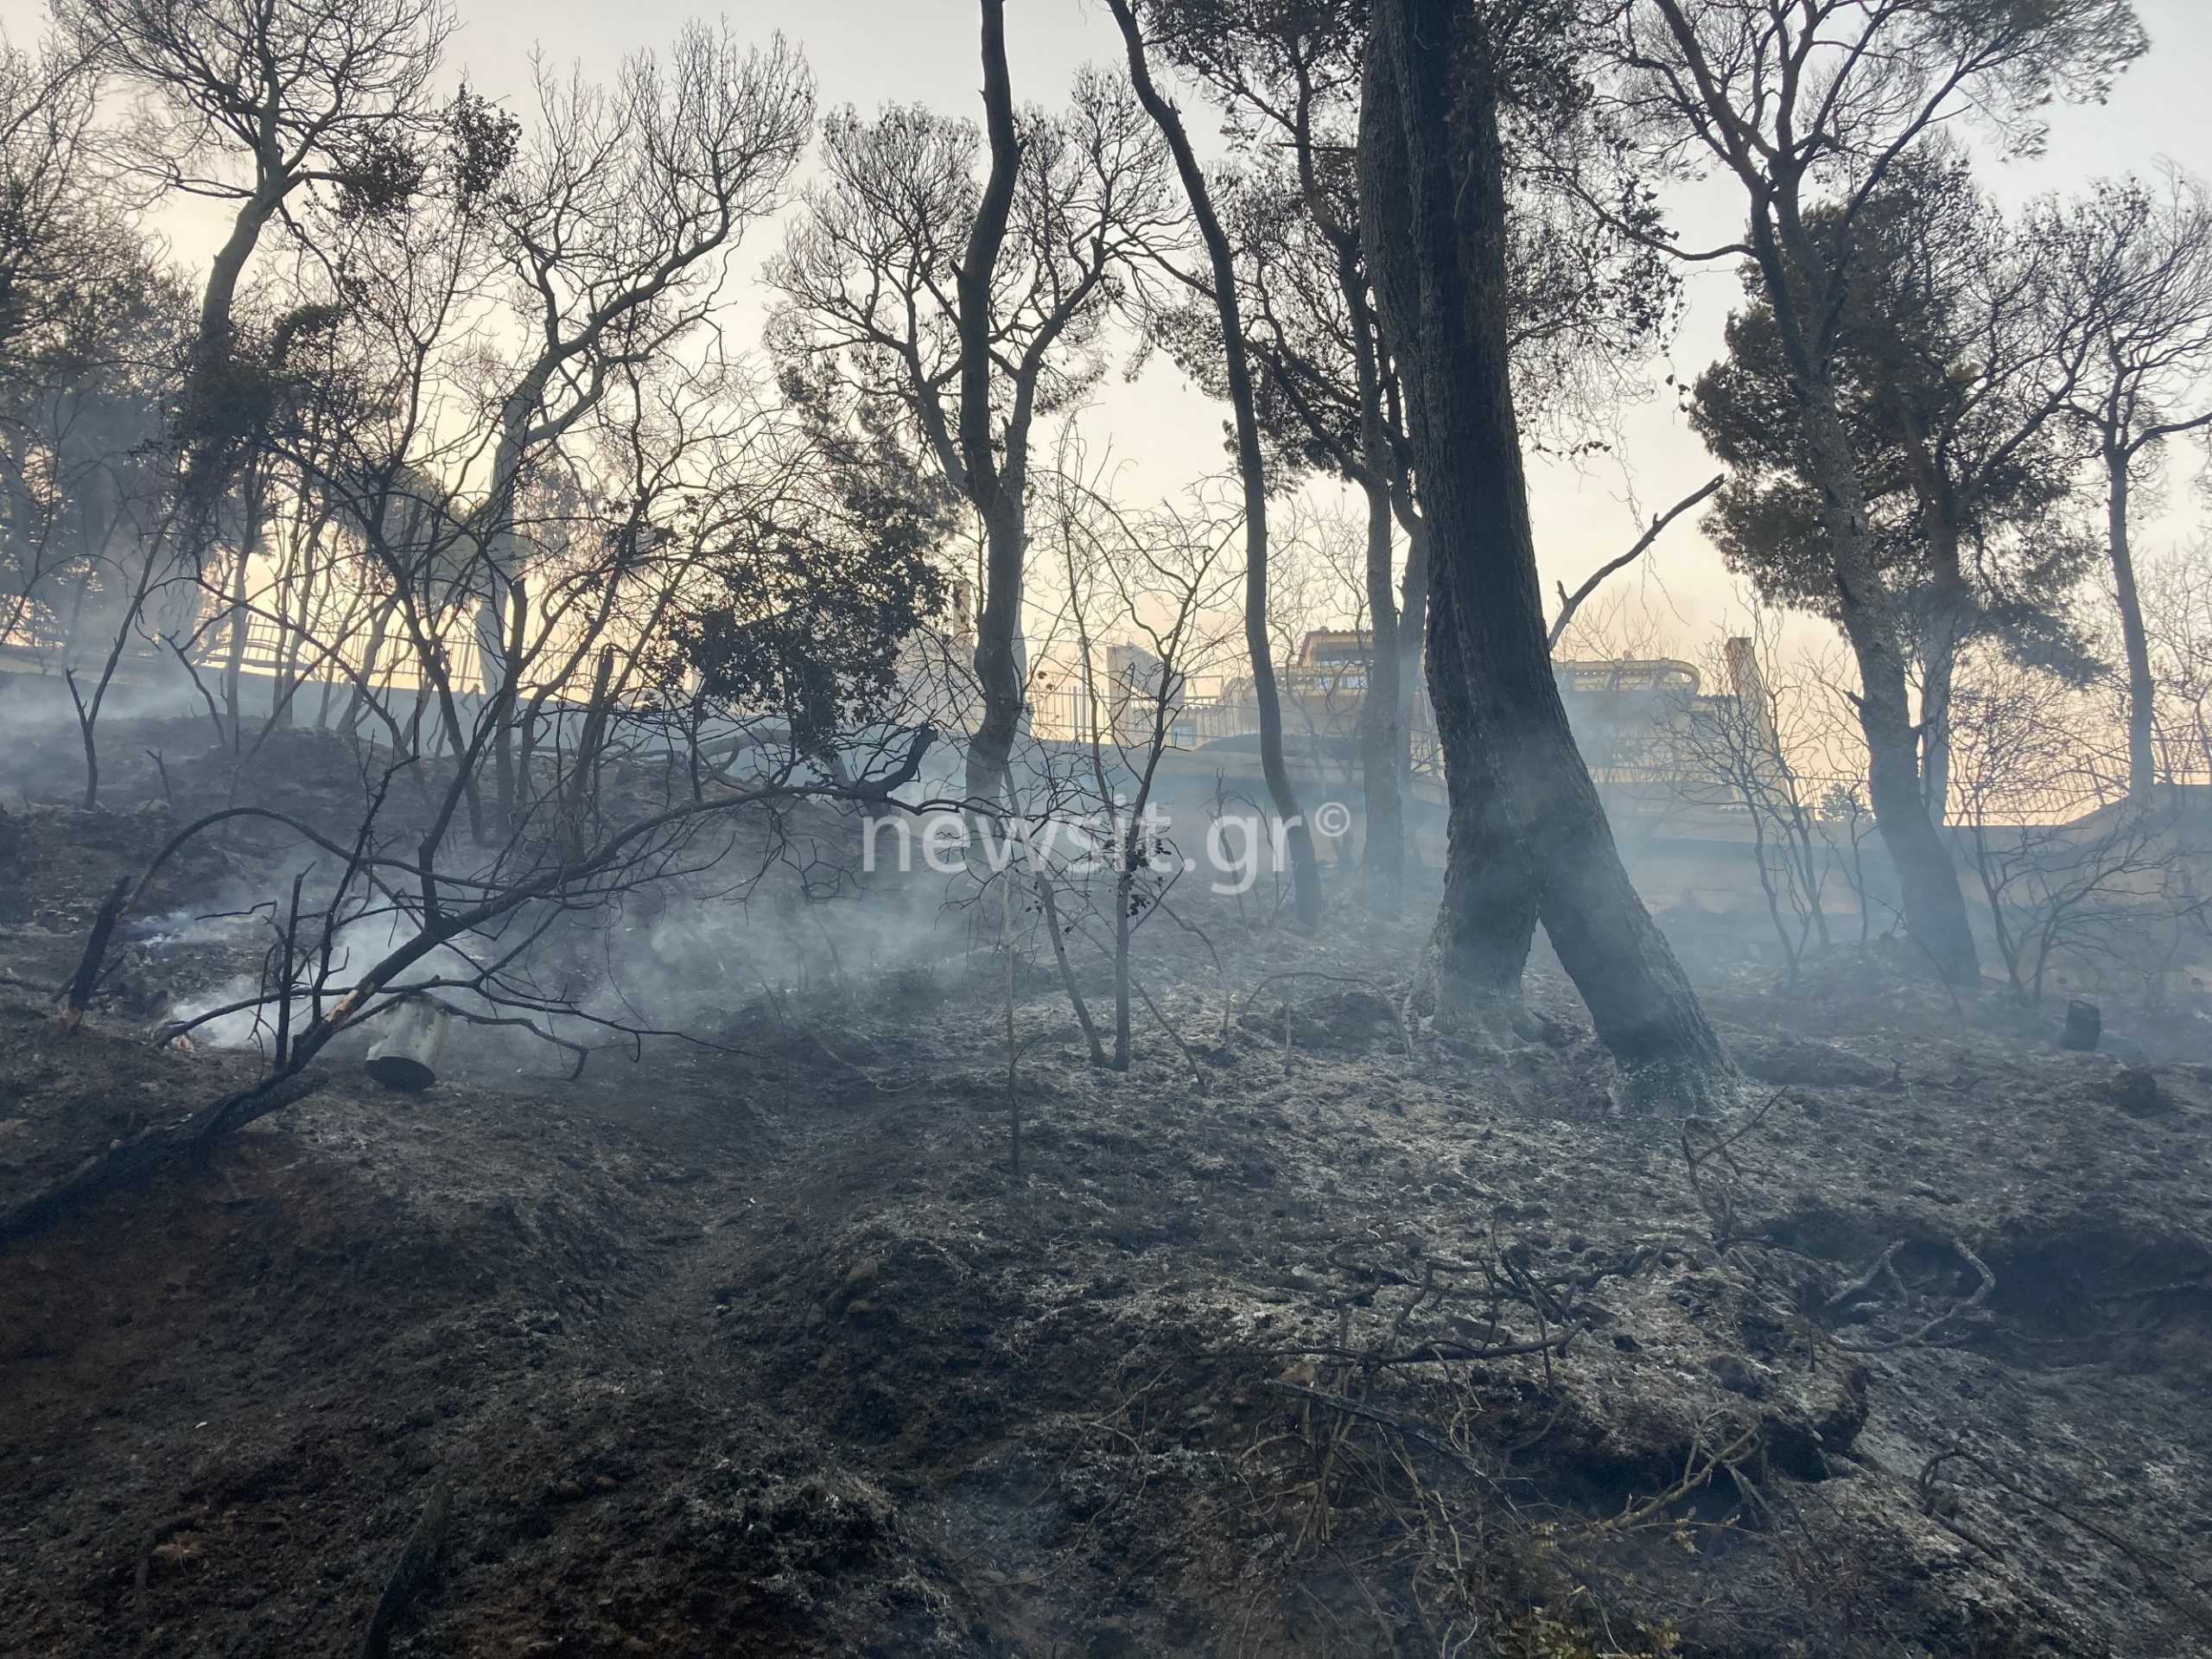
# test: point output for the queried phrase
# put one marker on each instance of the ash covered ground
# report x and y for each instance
(1320, 1332)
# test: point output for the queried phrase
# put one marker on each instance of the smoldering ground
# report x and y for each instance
(764, 1337)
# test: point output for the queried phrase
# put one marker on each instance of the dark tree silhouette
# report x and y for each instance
(1529, 836)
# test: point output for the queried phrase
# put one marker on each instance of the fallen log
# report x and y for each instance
(126, 1163)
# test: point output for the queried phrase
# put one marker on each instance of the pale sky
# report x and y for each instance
(867, 52)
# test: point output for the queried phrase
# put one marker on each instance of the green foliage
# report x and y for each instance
(1950, 366)
(1586, 296)
(804, 603)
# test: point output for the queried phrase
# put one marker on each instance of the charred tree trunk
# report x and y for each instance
(1384, 706)
(1381, 715)
(241, 619)
(998, 669)
(1529, 838)
(996, 490)
(371, 657)
(1413, 635)
(1939, 669)
(1305, 866)
(1928, 880)
(501, 697)
(1939, 674)
(2142, 689)
(209, 452)
(1948, 614)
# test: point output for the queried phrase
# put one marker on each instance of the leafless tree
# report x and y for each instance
(1318, 588)
(479, 941)
(442, 444)
(1740, 750)
(2071, 862)
(616, 221)
(2137, 264)
(63, 227)
(967, 310)
(251, 102)
(781, 640)
(1162, 580)
(2178, 620)
(1845, 821)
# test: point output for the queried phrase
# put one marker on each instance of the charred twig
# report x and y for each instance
(1252, 995)
(2162, 1575)
(410, 1574)
(162, 1531)
(191, 670)
(470, 1017)
(1570, 603)
(119, 1165)
(1957, 1309)
(1430, 1353)
(290, 942)
(1049, 902)
(1720, 1146)
(1864, 1282)
(1197, 1071)
(1695, 1475)
(1530, 1293)
(1220, 973)
(1427, 1434)
(161, 766)
(87, 975)
(775, 1005)
(1720, 1204)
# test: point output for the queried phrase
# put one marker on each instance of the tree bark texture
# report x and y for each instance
(1529, 839)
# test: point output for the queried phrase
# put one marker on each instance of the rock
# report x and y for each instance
(2084, 1025)
(859, 1279)
(1738, 1378)
(1814, 1064)
(2135, 1090)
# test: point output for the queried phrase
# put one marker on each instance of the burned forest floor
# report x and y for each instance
(1318, 1332)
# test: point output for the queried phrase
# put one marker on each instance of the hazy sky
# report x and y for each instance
(867, 52)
